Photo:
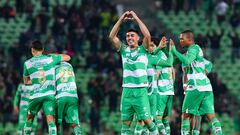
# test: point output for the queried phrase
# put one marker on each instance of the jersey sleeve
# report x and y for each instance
(162, 60)
(166, 62)
(122, 48)
(208, 66)
(143, 48)
(56, 59)
(190, 56)
(25, 71)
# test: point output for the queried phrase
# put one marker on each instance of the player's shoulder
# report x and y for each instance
(195, 46)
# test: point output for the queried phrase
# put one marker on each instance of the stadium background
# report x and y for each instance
(80, 28)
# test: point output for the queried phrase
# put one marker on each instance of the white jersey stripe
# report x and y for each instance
(135, 73)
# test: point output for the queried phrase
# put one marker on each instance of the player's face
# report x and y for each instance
(152, 46)
(183, 40)
(132, 39)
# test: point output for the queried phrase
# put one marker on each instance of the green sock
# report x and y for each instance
(197, 125)
(195, 132)
(52, 130)
(138, 129)
(160, 126)
(28, 128)
(216, 126)
(152, 129)
(185, 127)
(167, 126)
(126, 130)
(77, 130)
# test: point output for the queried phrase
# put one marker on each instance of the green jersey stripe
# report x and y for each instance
(136, 80)
(37, 95)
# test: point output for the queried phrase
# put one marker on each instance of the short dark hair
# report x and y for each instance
(133, 30)
(189, 33)
(37, 45)
(155, 40)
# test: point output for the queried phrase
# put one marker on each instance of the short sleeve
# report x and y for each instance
(122, 48)
(56, 59)
(143, 49)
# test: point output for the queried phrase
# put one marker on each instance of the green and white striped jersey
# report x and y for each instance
(165, 79)
(152, 76)
(41, 70)
(22, 94)
(196, 70)
(65, 81)
(134, 66)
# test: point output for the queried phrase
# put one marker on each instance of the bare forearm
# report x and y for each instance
(143, 28)
(115, 29)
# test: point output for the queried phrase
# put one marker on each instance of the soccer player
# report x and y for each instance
(134, 58)
(199, 96)
(195, 120)
(39, 71)
(165, 91)
(22, 99)
(155, 58)
(67, 98)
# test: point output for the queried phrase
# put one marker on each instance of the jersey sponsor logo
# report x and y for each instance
(42, 77)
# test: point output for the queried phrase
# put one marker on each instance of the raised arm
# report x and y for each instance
(163, 61)
(65, 57)
(113, 34)
(144, 30)
(161, 45)
(186, 59)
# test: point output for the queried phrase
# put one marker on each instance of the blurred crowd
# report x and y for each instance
(82, 32)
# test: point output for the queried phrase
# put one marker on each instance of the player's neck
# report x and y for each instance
(190, 44)
(133, 47)
(37, 53)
